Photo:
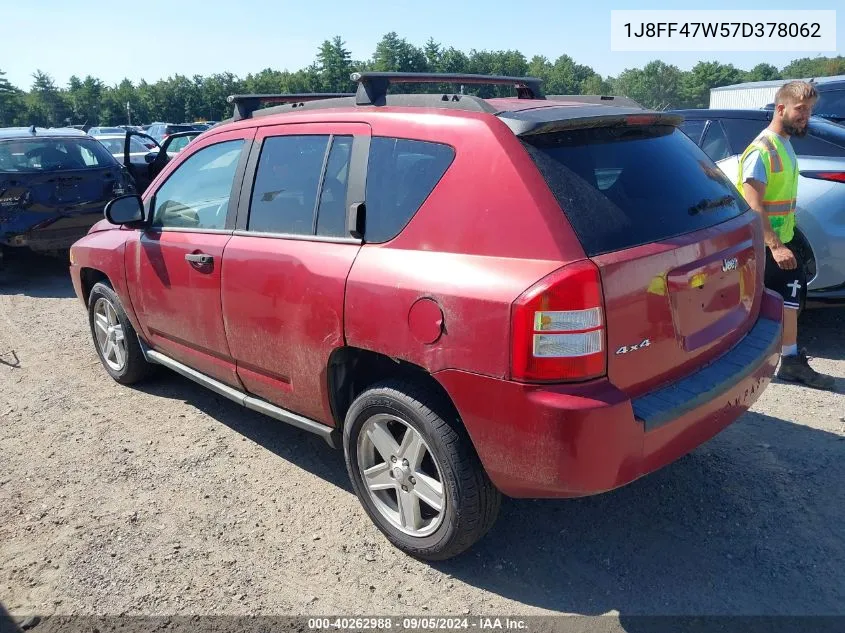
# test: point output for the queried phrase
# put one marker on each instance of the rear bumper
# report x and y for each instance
(44, 231)
(48, 238)
(577, 440)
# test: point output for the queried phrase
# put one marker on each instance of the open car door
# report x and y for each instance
(140, 171)
(157, 158)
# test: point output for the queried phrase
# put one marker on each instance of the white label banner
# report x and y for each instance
(723, 30)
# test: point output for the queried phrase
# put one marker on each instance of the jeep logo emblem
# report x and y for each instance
(729, 264)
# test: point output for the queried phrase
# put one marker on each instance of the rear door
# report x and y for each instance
(285, 268)
(679, 252)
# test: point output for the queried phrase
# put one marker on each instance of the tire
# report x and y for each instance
(134, 366)
(469, 503)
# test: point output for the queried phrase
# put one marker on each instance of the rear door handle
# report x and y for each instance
(199, 258)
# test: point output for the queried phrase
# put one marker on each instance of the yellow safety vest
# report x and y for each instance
(782, 185)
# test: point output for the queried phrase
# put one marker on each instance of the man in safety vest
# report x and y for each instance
(768, 180)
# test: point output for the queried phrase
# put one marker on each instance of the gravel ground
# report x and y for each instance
(167, 499)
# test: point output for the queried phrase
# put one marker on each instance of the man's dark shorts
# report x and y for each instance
(789, 284)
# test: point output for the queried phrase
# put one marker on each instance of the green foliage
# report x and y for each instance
(179, 98)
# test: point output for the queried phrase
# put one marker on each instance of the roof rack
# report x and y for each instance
(372, 86)
(246, 104)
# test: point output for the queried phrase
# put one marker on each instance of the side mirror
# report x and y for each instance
(150, 157)
(126, 210)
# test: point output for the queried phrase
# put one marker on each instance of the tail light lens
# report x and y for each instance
(835, 176)
(558, 327)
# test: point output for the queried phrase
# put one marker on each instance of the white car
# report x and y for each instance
(138, 151)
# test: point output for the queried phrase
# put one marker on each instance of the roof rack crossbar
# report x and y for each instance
(373, 86)
(246, 104)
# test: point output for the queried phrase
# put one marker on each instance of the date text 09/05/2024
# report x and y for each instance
(420, 623)
(724, 29)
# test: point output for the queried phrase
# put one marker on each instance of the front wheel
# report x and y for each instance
(416, 472)
(114, 337)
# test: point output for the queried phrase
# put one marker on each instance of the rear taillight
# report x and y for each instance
(558, 327)
(835, 176)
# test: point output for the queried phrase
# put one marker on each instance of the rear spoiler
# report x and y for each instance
(612, 100)
(558, 119)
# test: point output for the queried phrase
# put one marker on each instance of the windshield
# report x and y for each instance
(53, 154)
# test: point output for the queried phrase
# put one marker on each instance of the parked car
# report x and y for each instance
(761, 94)
(160, 131)
(139, 152)
(54, 184)
(181, 142)
(144, 168)
(472, 297)
(820, 211)
(99, 131)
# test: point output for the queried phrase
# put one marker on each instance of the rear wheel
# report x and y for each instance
(114, 337)
(415, 471)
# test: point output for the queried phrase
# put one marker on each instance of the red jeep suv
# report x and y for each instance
(473, 297)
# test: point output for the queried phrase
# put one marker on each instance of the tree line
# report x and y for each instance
(179, 98)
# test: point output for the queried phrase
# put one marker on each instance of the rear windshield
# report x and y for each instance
(621, 187)
(46, 154)
(173, 129)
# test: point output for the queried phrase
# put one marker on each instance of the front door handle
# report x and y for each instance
(199, 258)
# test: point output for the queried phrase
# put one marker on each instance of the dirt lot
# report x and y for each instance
(167, 499)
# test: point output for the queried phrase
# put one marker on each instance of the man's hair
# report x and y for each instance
(796, 91)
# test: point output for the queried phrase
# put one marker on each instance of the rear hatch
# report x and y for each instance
(56, 183)
(678, 250)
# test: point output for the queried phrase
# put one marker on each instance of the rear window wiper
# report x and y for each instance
(707, 204)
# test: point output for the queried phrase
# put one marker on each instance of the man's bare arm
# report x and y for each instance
(754, 192)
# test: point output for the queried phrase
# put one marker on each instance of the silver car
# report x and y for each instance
(139, 152)
(820, 214)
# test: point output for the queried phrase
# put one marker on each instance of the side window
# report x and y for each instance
(693, 129)
(400, 175)
(331, 214)
(196, 195)
(741, 132)
(715, 143)
(284, 195)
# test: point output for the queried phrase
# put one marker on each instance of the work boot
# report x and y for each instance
(797, 369)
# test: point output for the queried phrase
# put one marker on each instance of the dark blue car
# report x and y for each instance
(54, 184)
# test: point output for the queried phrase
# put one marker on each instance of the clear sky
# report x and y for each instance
(153, 39)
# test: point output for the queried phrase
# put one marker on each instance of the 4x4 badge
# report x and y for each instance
(729, 264)
(633, 348)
